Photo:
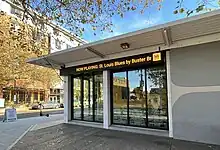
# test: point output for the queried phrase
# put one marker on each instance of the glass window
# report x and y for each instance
(120, 96)
(68, 46)
(140, 98)
(137, 100)
(87, 98)
(77, 98)
(42, 96)
(157, 98)
(36, 96)
(58, 44)
(98, 95)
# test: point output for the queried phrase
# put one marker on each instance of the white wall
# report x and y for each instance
(63, 38)
(195, 92)
(4, 6)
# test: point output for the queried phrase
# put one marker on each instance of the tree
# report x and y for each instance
(73, 14)
(18, 42)
(202, 5)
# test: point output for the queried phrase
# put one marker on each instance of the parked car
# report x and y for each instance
(35, 106)
(46, 105)
(50, 105)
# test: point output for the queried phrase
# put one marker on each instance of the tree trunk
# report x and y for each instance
(1, 91)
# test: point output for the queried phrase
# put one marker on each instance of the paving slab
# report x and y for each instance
(10, 132)
(75, 137)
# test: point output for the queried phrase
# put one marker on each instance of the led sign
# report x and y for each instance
(122, 62)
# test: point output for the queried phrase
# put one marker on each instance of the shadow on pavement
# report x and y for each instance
(74, 137)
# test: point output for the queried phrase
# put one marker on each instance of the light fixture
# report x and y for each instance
(167, 37)
(125, 45)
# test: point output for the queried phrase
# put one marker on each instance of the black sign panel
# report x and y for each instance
(150, 58)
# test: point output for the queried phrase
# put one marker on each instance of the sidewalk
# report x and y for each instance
(11, 132)
(74, 137)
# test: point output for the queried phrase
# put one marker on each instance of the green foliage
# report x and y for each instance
(19, 42)
(98, 13)
(202, 5)
(74, 14)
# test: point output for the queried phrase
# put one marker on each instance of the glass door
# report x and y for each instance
(77, 97)
(88, 97)
(98, 98)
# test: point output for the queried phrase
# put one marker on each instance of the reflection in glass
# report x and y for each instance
(87, 103)
(157, 98)
(88, 98)
(98, 95)
(77, 98)
(120, 97)
(146, 104)
(137, 101)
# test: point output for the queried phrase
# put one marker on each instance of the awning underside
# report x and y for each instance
(167, 34)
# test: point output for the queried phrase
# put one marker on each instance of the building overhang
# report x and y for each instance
(190, 31)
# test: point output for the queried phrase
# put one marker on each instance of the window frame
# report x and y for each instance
(58, 44)
(81, 77)
(127, 69)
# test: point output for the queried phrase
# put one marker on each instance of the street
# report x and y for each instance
(35, 113)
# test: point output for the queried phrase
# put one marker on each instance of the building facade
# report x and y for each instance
(162, 80)
(59, 39)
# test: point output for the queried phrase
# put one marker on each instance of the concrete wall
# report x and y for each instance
(195, 92)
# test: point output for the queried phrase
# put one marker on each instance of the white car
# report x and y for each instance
(50, 105)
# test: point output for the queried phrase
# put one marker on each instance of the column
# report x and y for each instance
(67, 98)
(106, 99)
(38, 95)
(169, 94)
(32, 96)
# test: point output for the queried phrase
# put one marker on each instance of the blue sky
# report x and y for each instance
(134, 21)
(134, 80)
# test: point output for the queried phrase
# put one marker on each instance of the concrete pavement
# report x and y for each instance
(11, 132)
(74, 137)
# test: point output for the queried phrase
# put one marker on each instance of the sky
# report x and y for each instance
(134, 21)
(134, 79)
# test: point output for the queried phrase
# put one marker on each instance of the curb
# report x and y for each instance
(20, 137)
(46, 125)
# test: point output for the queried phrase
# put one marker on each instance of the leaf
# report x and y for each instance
(181, 10)
(83, 21)
(200, 8)
(133, 8)
(93, 28)
(175, 12)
